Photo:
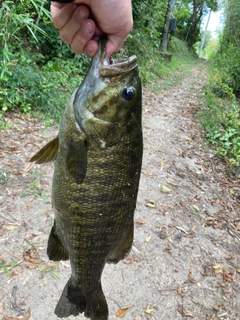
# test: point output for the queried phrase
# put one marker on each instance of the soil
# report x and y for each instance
(185, 260)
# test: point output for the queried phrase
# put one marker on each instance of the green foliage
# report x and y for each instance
(221, 118)
(151, 63)
(221, 115)
(25, 87)
(39, 73)
(12, 25)
(34, 77)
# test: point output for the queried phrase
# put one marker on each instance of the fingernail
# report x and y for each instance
(82, 14)
(88, 27)
(74, 6)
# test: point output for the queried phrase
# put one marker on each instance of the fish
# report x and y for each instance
(98, 158)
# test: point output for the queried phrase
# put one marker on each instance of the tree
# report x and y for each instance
(199, 9)
(165, 34)
(189, 14)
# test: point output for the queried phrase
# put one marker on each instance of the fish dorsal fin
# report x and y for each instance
(47, 154)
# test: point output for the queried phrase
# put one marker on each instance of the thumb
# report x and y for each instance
(114, 44)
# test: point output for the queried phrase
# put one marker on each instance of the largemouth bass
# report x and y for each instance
(98, 156)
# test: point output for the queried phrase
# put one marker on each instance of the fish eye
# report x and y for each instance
(128, 93)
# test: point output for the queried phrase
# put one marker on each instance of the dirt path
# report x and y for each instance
(185, 261)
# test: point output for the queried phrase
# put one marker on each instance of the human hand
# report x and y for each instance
(82, 22)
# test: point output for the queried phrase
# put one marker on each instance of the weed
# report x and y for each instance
(33, 188)
(4, 176)
(6, 268)
(203, 305)
(51, 268)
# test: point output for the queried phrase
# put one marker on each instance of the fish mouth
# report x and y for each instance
(109, 67)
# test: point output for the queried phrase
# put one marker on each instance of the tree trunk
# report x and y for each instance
(165, 34)
(195, 22)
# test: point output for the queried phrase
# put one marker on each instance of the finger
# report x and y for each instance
(76, 23)
(82, 37)
(91, 48)
(114, 44)
(62, 13)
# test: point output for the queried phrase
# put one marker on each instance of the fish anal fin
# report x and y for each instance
(123, 248)
(76, 161)
(47, 154)
(55, 250)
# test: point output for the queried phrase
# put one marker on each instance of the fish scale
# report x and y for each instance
(98, 156)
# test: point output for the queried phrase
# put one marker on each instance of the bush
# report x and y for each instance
(221, 118)
(34, 76)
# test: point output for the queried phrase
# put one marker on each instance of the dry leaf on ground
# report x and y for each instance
(121, 312)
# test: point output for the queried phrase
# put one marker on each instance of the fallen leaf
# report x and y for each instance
(179, 291)
(147, 239)
(11, 228)
(185, 312)
(163, 233)
(188, 313)
(26, 317)
(164, 188)
(171, 181)
(121, 312)
(149, 310)
(217, 308)
(226, 291)
(217, 266)
(193, 280)
(131, 258)
(141, 221)
(196, 208)
(228, 276)
(219, 271)
(224, 284)
(190, 272)
(31, 265)
(150, 204)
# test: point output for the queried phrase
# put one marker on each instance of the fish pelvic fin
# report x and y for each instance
(123, 248)
(55, 250)
(47, 154)
(74, 301)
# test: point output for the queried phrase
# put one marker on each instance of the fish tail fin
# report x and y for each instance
(73, 301)
(96, 308)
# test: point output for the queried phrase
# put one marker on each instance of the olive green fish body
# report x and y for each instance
(95, 183)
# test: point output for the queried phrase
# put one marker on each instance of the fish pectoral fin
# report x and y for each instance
(47, 154)
(123, 248)
(55, 249)
(76, 161)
